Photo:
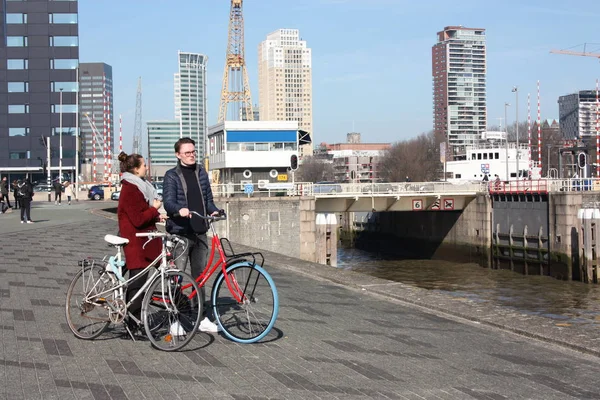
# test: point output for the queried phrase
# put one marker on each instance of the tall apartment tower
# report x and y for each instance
(459, 85)
(39, 54)
(285, 81)
(190, 98)
(577, 114)
(96, 101)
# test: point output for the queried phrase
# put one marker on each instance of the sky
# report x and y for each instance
(371, 58)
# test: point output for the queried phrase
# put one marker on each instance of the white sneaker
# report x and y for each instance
(207, 326)
(22, 222)
(176, 329)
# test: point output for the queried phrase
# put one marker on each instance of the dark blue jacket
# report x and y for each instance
(175, 197)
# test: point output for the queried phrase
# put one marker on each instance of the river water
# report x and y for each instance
(565, 302)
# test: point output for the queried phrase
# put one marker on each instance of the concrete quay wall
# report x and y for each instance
(284, 225)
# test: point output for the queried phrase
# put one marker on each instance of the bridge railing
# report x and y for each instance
(545, 186)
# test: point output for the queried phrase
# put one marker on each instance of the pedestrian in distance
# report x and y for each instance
(4, 192)
(26, 195)
(68, 192)
(486, 178)
(187, 188)
(15, 191)
(58, 188)
(137, 212)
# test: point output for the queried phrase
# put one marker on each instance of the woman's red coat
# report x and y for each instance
(135, 216)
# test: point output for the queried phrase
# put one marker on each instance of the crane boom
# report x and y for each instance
(575, 53)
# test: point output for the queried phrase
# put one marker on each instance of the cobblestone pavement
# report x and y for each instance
(331, 341)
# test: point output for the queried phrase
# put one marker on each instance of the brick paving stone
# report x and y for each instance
(333, 340)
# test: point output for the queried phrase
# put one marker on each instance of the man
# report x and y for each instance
(57, 192)
(187, 188)
(4, 192)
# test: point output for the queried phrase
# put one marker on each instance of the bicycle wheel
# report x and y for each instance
(251, 319)
(87, 314)
(171, 310)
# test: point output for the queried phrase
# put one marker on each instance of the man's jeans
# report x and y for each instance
(196, 251)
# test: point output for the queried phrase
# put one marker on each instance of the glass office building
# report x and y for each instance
(38, 61)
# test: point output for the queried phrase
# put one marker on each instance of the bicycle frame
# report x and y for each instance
(162, 269)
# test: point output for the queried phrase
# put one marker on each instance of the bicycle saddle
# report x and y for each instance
(116, 240)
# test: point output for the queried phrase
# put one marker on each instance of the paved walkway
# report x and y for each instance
(333, 339)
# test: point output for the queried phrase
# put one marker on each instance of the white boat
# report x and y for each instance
(492, 156)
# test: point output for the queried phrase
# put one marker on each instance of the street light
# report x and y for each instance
(516, 92)
(60, 143)
(506, 105)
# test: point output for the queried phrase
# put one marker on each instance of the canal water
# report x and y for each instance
(565, 302)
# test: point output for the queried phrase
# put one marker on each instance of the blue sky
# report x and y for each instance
(371, 58)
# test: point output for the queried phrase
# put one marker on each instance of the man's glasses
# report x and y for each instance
(190, 153)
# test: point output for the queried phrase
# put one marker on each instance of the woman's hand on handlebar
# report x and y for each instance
(184, 213)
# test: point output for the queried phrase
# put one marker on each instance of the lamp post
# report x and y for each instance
(516, 92)
(60, 142)
(76, 183)
(506, 105)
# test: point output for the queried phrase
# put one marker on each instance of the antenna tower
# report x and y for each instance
(236, 88)
(137, 128)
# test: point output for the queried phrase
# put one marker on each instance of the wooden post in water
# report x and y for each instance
(525, 248)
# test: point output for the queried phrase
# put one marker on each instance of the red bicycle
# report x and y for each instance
(244, 297)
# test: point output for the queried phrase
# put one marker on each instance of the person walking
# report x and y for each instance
(15, 191)
(4, 191)
(187, 188)
(137, 212)
(68, 192)
(57, 192)
(26, 196)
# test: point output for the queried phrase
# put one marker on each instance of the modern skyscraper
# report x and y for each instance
(190, 97)
(162, 136)
(577, 114)
(96, 101)
(285, 81)
(38, 60)
(459, 85)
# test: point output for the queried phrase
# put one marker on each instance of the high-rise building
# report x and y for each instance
(38, 65)
(162, 136)
(577, 114)
(96, 102)
(190, 97)
(285, 81)
(459, 85)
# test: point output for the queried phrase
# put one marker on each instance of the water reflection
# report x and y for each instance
(572, 302)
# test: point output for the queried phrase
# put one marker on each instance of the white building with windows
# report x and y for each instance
(252, 151)
(285, 81)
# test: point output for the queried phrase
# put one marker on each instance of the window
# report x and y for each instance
(17, 64)
(64, 41)
(65, 86)
(18, 108)
(16, 41)
(262, 147)
(276, 146)
(497, 155)
(233, 146)
(479, 156)
(57, 18)
(66, 131)
(18, 131)
(18, 155)
(289, 146)
(64, 64)
(66, 108)
(18, 87)
(16, 18)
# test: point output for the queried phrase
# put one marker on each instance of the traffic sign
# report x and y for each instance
(448, 204)
(417, 204)
(282, 177)
(248, 188)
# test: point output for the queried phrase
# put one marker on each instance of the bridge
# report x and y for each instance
(404, 196)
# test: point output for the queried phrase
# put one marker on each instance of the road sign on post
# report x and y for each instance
(417, 204)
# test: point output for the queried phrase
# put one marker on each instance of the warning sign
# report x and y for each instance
(448, 204)
(417, 204)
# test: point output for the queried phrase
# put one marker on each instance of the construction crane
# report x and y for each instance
(236, 87)
(97, 137)
(137, 127)
(583, 53)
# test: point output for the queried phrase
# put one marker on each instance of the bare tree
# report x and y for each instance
(315, 169)
(417, 158)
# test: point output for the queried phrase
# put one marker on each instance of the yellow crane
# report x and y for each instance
(583, 53)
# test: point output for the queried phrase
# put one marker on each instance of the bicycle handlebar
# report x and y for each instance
(153, 234)
(211, 218)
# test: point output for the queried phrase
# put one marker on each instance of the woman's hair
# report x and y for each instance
(129, 162)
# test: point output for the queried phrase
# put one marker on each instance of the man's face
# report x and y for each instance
(187, 154)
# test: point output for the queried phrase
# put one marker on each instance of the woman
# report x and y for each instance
(68, 191)
(137, 212)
